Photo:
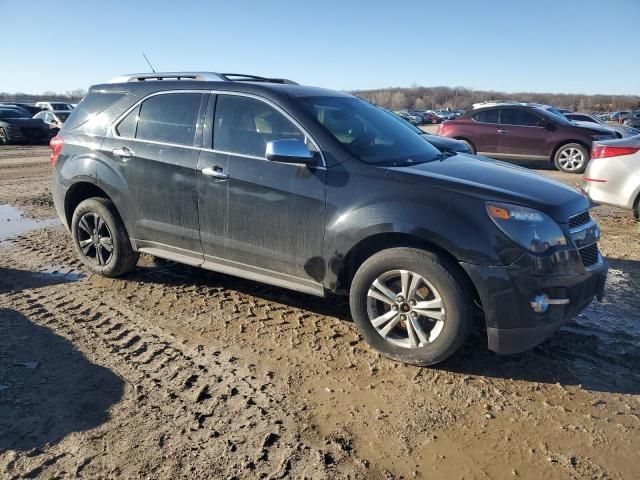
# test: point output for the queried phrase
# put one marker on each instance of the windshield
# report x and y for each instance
(60, 106)
(62, 116)
(556, 117)
(369, 133)
(14, 114)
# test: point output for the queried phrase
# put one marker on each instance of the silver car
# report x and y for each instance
(612, 176)
(623, 130)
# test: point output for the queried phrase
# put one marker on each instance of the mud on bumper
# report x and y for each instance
(506, 293)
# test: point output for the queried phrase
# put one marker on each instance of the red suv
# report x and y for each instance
(526, 132)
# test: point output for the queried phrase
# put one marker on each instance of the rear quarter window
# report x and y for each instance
(92, 105)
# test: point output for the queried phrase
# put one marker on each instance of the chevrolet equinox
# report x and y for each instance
(321, 192)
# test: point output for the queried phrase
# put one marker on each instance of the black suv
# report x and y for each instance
(322, 192)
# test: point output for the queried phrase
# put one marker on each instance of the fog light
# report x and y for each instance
(541, 301)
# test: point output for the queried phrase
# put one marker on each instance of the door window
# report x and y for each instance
(514, 116)
(488, 116)
(245, 125)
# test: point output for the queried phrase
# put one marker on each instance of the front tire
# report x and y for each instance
(571, 158)
(100, 238)
(4, 138)
(411, 305)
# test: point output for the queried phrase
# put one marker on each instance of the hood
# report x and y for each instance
(490, 179)
(596, 128)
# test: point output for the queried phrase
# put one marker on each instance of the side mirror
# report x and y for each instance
(290, 151)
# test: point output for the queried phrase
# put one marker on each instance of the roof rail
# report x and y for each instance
(143, 77)
(198, 76)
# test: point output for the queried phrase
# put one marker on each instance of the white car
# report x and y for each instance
(612, 176)
(54, 106)
(53, 118)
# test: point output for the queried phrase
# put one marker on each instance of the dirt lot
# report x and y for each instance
(177, 372)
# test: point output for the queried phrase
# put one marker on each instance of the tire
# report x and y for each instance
(94, 221)
(441, 284)
(571, 158)
(468, 144)
(4, 139)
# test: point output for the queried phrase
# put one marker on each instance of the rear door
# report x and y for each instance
(521, 133)
(485, 131)
(275, 211)
(154, 149)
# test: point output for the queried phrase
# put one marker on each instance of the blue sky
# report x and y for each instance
(539, 45)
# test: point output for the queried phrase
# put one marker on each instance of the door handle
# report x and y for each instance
(503, 131)
(123, 152)
(215, 172)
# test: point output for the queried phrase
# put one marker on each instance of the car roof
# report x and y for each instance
(265, 89)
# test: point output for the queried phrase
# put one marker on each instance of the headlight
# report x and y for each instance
(602, 137)
(534, 230)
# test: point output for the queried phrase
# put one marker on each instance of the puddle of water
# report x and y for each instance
(13, 222)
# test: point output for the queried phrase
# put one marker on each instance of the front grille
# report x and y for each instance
(589, 255)
(579, 219)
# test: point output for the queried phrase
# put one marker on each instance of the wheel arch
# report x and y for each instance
(373, 244)
(79, 192)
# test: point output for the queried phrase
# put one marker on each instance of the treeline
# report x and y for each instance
(435, 98)
(71, 96)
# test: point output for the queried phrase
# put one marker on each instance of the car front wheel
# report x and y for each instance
(411, 305)
(571, 158)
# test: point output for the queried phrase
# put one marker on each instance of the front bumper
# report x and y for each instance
(506, 293)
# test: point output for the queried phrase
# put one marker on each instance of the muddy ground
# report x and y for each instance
(175, 372)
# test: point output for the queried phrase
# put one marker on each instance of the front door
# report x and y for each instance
(521, 133)
(154, 149)
(274, 211)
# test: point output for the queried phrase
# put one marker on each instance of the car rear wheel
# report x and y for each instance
(469, 144)
(411, 305)
(100, 238)
(571, 158)
(4, 139)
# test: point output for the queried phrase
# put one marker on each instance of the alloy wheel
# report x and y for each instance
(571, 159)
(3, 137)
(95, 239)
(405, 309)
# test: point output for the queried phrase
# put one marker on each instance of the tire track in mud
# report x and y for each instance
(203, 393)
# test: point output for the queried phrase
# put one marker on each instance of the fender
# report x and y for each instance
(469, 235)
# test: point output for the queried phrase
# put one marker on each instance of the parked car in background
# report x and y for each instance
(32, 109)
(53, 118)
(443, 144)
(623, 130)
(54, 105)
(413, 119)
(18, 127)
(518, 131)
(613, 174)
(632, 120)
(617, 116)
(322, 192)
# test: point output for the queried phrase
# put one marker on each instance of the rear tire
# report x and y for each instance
(427, 323)
(468, 144)
(571, 158)
(100, 238)
(4, 139)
